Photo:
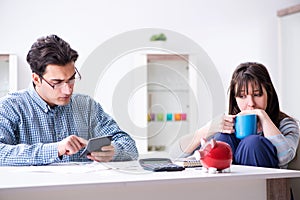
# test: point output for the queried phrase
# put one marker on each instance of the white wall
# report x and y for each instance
(290, 60)
(229, 31)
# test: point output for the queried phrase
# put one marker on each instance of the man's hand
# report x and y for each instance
(105, 155)
(71, 145)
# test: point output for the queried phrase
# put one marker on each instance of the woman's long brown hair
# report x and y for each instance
(257, 75)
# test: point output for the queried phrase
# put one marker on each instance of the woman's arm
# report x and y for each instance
(285, 138)
(187, 144)
(287, 142)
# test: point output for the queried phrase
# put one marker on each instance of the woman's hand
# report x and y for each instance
(223, 124)
(261, 117)
(264, 123)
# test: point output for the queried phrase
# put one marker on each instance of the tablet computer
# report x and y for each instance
(95, 144)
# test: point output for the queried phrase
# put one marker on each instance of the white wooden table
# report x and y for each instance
(128, 181)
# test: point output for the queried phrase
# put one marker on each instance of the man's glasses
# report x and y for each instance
(75, 78)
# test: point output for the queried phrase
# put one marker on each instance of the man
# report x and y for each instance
(47, 123)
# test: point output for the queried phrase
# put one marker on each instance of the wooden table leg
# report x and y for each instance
(278, 189)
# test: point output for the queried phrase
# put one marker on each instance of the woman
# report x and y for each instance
(251, 92)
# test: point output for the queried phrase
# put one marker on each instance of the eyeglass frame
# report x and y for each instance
(54, 86)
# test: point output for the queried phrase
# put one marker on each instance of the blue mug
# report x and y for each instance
(245, 125)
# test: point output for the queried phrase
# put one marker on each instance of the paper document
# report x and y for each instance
(80, 167)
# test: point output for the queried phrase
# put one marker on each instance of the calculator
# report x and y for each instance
(159, 164)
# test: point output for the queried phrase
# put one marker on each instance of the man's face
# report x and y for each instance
(54, 87)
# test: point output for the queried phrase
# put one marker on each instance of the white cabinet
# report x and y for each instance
(168, 99)
(8, 73)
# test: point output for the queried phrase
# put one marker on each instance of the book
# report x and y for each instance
(188, 163)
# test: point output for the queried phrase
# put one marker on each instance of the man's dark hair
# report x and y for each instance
(50, 50)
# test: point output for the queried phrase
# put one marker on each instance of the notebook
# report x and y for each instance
(187, 163)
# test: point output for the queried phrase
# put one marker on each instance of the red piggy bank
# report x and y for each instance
(215, 154)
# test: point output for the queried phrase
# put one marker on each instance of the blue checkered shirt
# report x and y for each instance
(30, 130)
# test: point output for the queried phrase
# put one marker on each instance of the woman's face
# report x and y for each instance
(253, 99)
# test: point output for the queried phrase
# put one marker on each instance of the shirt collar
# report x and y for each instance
(38, 100)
